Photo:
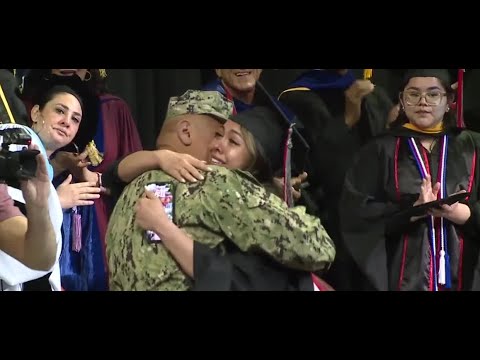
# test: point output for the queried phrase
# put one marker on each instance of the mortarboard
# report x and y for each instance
(447, 76)
(441, 74)
(284, 147)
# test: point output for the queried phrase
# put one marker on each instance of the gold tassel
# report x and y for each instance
(95, 156)
(5, 104)
(103, 73)
(367, 74)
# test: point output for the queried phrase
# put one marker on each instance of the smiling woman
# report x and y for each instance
(56, 118)
(82, 262)
(236, 84)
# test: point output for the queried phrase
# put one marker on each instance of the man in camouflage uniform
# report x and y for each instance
(226, 205)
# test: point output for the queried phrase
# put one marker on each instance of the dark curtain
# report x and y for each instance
(147, 92)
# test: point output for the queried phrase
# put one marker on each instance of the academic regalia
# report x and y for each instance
(318, 99)
(107, 121)
(395, 256)
(240, 106)
(377, 206)
(217, 85)
(236, 270)
(116, 137)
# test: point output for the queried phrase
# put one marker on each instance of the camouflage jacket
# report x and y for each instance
(227, 204)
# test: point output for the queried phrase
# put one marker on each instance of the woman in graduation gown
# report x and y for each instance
(424, 157)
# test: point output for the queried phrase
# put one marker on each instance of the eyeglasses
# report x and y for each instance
(413, 98)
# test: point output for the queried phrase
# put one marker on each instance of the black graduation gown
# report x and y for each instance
(333, 144)
(234, 270)
(393, 252)
(333, 148)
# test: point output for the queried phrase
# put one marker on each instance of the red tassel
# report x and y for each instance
(287, 169)
(77, 231)
(459, 105)
(320, 285)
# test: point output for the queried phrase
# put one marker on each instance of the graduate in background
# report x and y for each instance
(240, 86)
(237, 85)
(425, 156)
(339, 114)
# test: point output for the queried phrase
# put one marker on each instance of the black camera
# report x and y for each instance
(17, 162)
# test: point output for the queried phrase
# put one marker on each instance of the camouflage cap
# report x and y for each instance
(201, 103)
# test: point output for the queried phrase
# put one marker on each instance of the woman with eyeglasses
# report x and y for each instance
(398, 243)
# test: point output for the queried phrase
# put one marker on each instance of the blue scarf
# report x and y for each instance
(240, 106)
(320, 79)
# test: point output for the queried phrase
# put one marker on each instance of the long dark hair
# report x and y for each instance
(449, 119)
(50, 94)
(40, 81)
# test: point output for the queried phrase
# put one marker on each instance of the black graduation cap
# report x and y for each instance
(447, 76)
(285, 148)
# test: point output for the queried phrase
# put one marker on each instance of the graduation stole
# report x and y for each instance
(437, 227)
(460, 122)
